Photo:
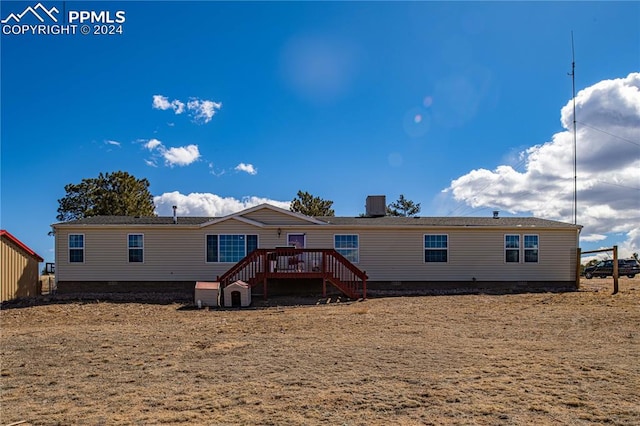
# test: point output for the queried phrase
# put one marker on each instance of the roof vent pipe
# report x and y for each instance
(496, 214)
(175, 214)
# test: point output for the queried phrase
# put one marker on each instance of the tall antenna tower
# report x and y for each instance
(575, 136)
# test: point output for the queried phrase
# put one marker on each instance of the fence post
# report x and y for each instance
(578, 266)
(615, 269)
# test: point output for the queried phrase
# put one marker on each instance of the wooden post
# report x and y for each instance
(578, 264)
(264, 289)
(364, 286)
(615, 269)
(266, 262)
(323, 265)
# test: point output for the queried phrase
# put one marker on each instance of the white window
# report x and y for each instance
(436, 248)
(229, 248)
(512, 248)
(348, 246)
(515, 244)
(136, 248)
(76, 248)
(531, 249)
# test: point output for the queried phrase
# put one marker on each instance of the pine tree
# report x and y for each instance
(110, 194)
(403, 207)
(309, 205)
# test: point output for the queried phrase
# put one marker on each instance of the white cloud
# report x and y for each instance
(178, 107)
(200, 110)
(631, 244)
(110, 142)
(212, 170)
(152, 144)
(181, 156)
(593, 237)
(608, 140)
(203, 111)
(248, 168)
(162, 103)
(206, 204)
(174, 156)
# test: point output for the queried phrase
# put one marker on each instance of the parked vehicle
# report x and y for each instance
(628, 267)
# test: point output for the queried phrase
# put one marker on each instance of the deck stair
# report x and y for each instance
(261, 265)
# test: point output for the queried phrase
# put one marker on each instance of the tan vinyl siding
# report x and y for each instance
(178, 253)
(19, 272)
(478, 254)
(170, 253)
(398, 254)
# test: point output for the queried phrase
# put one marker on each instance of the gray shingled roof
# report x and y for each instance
(384, 221)
(444, 221)
(137, 220)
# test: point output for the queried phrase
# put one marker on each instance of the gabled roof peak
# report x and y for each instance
(239, 215)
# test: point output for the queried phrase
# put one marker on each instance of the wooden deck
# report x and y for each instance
(331, 267)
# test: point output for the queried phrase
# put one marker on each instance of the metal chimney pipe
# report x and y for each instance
(175, 214)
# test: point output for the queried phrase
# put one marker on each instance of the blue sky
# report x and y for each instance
(461, 106)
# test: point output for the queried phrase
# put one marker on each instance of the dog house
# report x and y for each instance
(237, 294)
(207, 294)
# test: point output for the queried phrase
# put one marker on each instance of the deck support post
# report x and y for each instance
(364, 288)
(264, 289)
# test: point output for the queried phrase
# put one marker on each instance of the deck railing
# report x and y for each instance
(290, 263)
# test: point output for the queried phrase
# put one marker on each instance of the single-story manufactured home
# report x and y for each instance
(266, 245)
(19, 270)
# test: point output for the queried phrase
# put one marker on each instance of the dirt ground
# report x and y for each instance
(543, 359)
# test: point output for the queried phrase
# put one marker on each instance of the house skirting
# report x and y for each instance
(178, 290)
(74, 287)
(388, 288)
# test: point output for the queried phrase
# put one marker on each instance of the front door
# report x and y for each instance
(296, 240)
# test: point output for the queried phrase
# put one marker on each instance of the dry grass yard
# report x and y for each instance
(535, 359)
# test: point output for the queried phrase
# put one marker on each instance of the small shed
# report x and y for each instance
(207, 293)
(19, 269)
(237, 294)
